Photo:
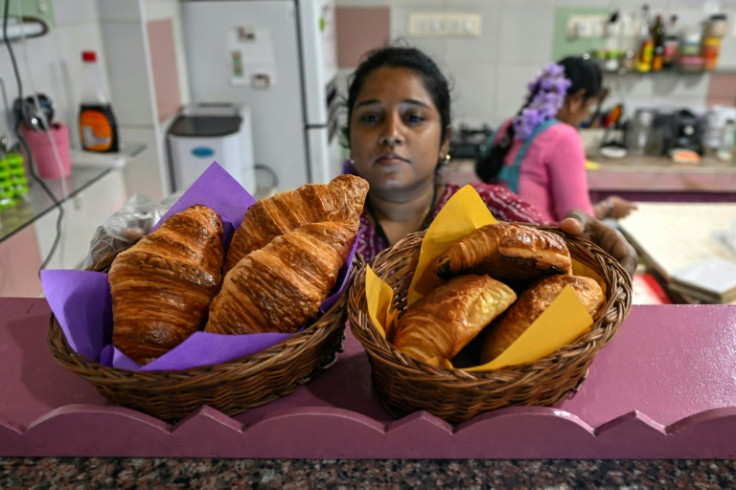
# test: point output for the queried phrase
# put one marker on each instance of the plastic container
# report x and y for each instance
(711, 51)
(726, 148)
(716, 26)
(98, 130)
(50, 163)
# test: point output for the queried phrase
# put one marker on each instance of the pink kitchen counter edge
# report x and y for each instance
(664, 387)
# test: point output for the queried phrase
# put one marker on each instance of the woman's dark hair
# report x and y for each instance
(412, 59)
(583, 73)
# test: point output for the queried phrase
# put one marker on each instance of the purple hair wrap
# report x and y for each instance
(546, 95)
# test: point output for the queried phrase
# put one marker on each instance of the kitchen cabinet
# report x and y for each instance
(83, 213)
(28, 230)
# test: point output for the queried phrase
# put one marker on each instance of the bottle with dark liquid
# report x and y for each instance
(657, 32)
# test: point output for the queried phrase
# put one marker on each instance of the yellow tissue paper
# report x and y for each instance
(464, 213)
(561, 323)
(379, 298)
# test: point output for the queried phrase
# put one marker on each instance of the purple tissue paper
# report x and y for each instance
(82, 304)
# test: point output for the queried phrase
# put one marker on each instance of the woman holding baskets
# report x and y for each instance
(399, 135)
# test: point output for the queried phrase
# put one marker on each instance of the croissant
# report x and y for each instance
(340, 200)
(279, 287)
(162, 286)
(451, 315)
(508, 252)
(532, 302)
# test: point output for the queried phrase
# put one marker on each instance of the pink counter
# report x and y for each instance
(665, 387)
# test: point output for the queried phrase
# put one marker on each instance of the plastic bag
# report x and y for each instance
(125, 227)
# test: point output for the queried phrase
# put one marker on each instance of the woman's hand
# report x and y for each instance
(609, 239)
(613, 207)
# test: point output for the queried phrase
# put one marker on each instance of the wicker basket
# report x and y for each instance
(232, 387)
(406, 385)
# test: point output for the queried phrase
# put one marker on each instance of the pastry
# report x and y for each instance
(507, 252)
(279, 287)
(531, 303)
(446, 319)
(340, 200)
(162, 286)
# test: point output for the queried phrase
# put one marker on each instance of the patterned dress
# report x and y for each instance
(504, 205)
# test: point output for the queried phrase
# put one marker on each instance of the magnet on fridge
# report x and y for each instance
(246, 33)
(261, 80)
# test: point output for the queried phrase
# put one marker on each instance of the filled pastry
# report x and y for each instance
(162, 286)
(507, 252)
(531, 303)
(450, 316)
(340, 200)
(279, 287)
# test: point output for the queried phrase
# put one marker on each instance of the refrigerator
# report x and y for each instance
(278, 58)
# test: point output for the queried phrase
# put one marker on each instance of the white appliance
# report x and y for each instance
(203, 133)
(277, 57)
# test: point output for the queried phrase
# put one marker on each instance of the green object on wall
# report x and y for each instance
(563, 46)
(33, 8)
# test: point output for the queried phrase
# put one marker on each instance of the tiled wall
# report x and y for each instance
(51, 64)
(490, 72)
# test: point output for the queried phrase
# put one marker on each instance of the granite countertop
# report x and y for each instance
(284, 473)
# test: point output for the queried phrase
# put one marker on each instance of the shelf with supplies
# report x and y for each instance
(86, 169)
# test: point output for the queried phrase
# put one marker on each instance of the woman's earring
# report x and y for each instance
(444, 160)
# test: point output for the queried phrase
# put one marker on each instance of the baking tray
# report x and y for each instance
(664, 387)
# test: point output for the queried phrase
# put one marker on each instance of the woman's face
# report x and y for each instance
(576, 109)
(395, 133)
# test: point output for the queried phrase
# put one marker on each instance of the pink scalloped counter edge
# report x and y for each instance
(664, 387)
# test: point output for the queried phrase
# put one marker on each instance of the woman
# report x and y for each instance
(539, 155)
(399, 134)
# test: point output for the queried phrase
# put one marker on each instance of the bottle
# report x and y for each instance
(657, 33)
(646, 42)
(715, 28)
(725, 150)
(98, 130)
(671, 41)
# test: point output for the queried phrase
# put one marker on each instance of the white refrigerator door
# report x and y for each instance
(319, 52)
(247, 52)
(325, 154)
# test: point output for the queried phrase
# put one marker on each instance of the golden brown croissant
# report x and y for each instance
(450, 316)
(507, 252)
(279, 287)
(532, 302)
(340, 200)
(162, 286)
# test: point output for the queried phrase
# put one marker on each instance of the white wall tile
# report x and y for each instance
(161, 9)
(128, 67)
(75, 11)
(147, 173)
(484, 48)
(526, 38)
(72, 39)
(511, 88)
(473, 89)
(121, 10)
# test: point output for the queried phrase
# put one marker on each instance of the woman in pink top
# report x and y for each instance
(539, 155)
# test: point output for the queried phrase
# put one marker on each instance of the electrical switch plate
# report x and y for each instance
(429, 24)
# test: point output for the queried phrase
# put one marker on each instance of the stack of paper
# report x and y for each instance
(711, 280)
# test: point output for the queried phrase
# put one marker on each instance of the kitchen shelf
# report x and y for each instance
(37, 202)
